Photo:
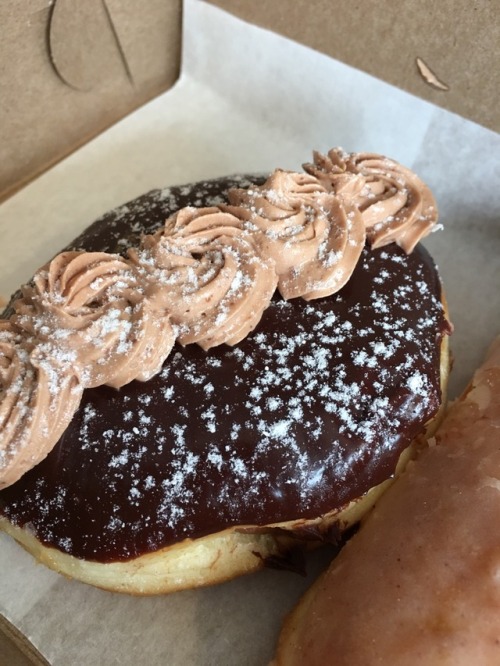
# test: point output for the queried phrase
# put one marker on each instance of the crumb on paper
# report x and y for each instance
(429, 76)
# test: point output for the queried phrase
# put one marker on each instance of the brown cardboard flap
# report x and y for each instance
(69, 69)
(84, 46)
(456, 39)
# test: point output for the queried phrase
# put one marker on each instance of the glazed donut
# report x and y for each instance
(231, 454)
(418, 584)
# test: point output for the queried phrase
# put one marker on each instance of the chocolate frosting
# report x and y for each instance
(308, 412)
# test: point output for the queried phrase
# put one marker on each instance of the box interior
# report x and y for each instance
(89, 64)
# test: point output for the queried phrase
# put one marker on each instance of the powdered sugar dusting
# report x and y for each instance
(290, 423)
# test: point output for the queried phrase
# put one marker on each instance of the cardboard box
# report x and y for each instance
(456, 39)
(70, 70)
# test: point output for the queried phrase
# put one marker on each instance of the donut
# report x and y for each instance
(210, 432)
(418, 584)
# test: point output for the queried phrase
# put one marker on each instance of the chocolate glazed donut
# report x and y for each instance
(229, 457)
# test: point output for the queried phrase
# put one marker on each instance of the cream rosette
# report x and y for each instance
(396, 205)
(331, 171)
(39, 394)
(91, 307)
(208, 274)
(314, 237)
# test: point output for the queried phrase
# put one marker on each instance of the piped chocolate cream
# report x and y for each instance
(306, 413)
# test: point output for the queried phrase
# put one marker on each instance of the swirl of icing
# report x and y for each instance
(39, 394)
(91, 307)
(332, 173)
(210, 276)
(314, 237)
(395, 204)
(92, 318)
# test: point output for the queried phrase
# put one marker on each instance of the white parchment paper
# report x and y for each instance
(247, 101)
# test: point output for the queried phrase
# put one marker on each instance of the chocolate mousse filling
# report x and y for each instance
(308, 412)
